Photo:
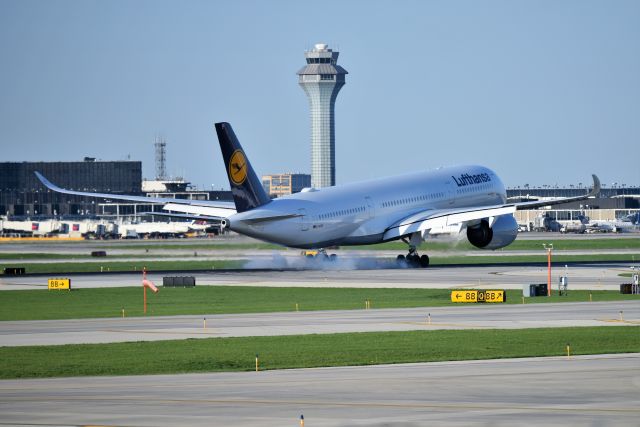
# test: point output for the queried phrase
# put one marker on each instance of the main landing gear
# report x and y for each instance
(320, 254)
(413, 259)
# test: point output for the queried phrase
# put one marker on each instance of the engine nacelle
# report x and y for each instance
(503, 232)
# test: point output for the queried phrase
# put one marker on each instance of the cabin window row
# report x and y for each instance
(342, 212)
(474, 188)
(421, 198)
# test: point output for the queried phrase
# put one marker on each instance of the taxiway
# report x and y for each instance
(584, 276)
(598, 390)
(513, 316)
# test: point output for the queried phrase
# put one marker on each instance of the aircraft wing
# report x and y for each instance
(441, 218)
(214, 209)
(539, 203)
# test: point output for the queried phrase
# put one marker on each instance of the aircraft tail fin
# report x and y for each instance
(246, 188)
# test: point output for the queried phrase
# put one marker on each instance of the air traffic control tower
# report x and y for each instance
(321, 80)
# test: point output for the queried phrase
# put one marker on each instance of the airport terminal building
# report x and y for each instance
(21, 193)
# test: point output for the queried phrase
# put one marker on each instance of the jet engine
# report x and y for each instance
(503, 232)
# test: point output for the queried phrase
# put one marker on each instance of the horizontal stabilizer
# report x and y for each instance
(269, 218)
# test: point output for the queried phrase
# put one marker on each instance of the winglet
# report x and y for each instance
(50, 185)
(596, 186)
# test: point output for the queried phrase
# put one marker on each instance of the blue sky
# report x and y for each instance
(543, 92)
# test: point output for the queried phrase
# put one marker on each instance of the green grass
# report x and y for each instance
(131, 266)
(201, 300)
(38, 256)
(517, 245)
(210, 246)
(504, 258)
(305, 351)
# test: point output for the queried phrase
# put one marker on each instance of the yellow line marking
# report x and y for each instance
(133, 331)
(453, 406)
(465, 325)
(631, 322)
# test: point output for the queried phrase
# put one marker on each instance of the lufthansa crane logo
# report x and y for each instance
(238, 167)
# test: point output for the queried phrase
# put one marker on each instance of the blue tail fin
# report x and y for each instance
(245, 186)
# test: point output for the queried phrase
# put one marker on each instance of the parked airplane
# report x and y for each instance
(617, 226)
(463, 199)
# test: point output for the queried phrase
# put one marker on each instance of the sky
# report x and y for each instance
(543, 92)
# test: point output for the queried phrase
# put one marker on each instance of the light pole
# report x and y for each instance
(549, 248)
(635, 280)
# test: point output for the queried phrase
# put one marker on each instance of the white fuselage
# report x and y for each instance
(361, 213)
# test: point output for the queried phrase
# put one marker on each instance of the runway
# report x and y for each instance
(55, 332)
(586, 390)
(585, 276)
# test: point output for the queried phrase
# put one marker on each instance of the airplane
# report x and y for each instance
(411, 207)
(616, 226)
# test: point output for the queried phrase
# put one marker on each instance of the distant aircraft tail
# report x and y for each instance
(246, 188)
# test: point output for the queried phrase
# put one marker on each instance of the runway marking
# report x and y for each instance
(442, 406)
(263, 381)
(461, 325)
(59, 425)
(167, 332)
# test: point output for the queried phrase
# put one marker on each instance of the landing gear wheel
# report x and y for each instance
(424, 261)
(413, 260)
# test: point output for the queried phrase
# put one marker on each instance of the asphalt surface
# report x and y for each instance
(590, 390)
(53, 332)
(594, 277)
(586, 391)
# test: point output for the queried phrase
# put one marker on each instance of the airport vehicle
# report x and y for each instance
(460, 199)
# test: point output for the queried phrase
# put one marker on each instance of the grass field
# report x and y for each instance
(41, 255)
(201, 300)
(505, 258)
(131, 266)
(433, 245)
(305, 351)
(27, 256)
(517, 245)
